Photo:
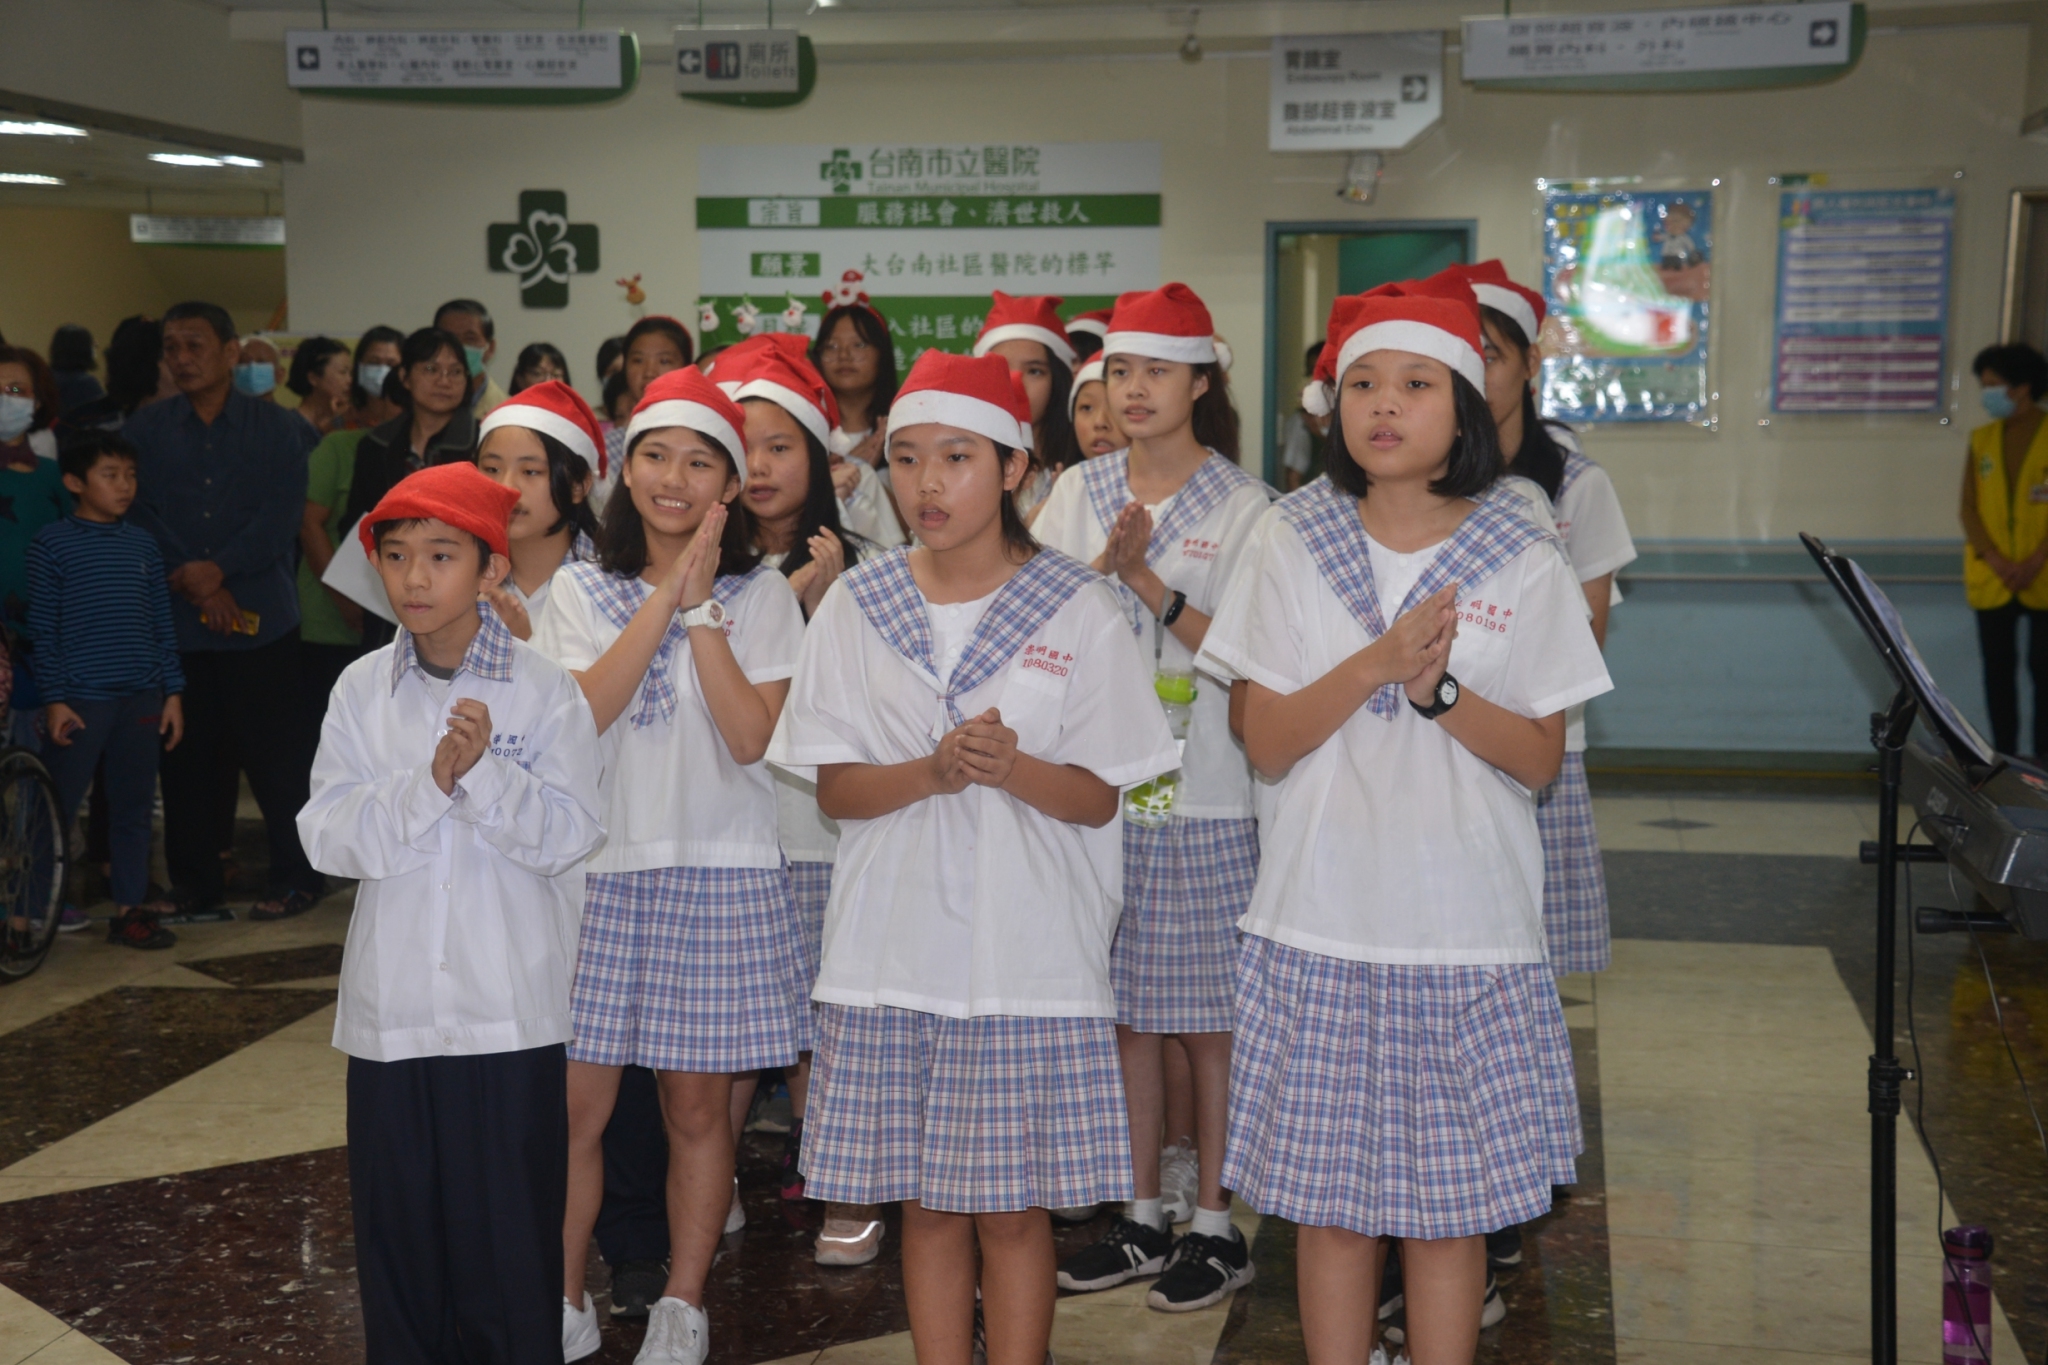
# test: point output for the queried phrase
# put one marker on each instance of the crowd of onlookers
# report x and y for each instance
(226, 471)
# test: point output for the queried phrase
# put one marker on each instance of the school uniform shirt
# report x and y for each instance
(1596, 539)
(808, 834)
(673, 796)
(867, 511)
(1200, 558)
(1392, 842)
(582, 550)
(465, 924)
(974, 903)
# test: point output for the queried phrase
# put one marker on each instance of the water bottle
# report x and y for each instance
(1150, 804)
(1966, 1296)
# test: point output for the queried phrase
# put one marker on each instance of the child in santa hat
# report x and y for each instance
(1168, 519)
(1402, 1068)
(1095, 430)
(1028, 334)
(966, 1059)
(457, 780)
(543, 443)
(690, 961)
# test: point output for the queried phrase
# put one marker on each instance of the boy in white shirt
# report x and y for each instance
(457, 780)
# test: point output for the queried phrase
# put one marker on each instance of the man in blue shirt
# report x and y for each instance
(222, 487)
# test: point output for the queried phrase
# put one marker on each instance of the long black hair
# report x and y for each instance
(133, 353)
(1541, 458)
(820, 510)
(1474, 464)
(1016, 535)
(566, 469)
(868, 325)
(1056, 447)
(1215, 416)
(622, 548)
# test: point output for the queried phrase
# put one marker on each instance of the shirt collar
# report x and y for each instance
(489, 655)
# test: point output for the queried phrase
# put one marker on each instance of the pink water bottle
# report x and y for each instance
(1966, 1296)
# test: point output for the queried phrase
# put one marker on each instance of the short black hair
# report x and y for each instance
(1311, 356)
(608, 350)
(88, 447)
(307, 360)
(384, 528)
(2016, 363)
(417, 349)
(530, 359)
(474, 309)
(212, 314)
(658, 325)
(614, 390)
(374, 336)
(71, 348)
(1474, 463)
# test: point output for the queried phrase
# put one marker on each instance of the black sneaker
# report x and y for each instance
(134, 929)
(635, 1287)
(1201, 1271)
(1504, 1249)
(1492, 1310)
(1391, 1298)
(191, 907)
(1130, 1251)
(792, 1178)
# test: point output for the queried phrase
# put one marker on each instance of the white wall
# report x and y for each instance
(388, 214)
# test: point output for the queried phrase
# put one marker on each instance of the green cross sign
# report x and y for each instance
(842, 170)
(543, 248)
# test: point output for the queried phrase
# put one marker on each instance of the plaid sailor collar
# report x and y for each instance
(489, 655)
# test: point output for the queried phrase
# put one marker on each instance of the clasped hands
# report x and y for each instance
(199, 581)
(462, 743)
(979, 752)
(1416, 649)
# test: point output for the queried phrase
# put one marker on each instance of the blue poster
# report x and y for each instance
(1627, 275)
(1862, 322)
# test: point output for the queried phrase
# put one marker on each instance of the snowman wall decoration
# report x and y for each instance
(747, 318)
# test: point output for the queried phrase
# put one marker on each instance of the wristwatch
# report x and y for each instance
(1446, 697)
(1175, 605)
(705, 613)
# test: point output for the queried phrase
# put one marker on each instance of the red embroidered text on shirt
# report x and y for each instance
(1045, 658)
(1486, 615)
(1194, 547)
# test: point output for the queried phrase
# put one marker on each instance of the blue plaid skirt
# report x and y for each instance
(1574, 880)
(1395, 1100)
(1174, 960)
(810, 884)
(985, 1115)
(689, 969)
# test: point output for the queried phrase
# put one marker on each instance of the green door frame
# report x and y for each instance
(1349, 227)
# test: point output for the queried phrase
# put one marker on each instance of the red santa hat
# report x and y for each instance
(1095, 320)
(552, 409)
(768, 367)
(1491, 286)
(686, 398)
(1090, 373)
(1437, 317)
(1033, 317)
(974, 393)
(457, 493)
(1169, 323)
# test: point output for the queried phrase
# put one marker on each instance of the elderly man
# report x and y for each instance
(222, 488)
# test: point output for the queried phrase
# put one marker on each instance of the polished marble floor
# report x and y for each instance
(173, 1186)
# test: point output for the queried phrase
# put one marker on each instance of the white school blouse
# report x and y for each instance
(1216, 781)
(975, 903)
(673, 796)
(1392, 842)
(464, 930)
(1596, 539)
(808, 835)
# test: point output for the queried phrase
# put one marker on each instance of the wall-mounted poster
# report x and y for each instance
(1628, 273)
(922, 232)
(1862, 320)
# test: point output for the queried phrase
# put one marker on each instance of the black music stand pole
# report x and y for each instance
(1888, 730)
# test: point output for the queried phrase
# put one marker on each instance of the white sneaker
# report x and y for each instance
(677, 1334)
(736, 1216)
(580, 1336)
(1180, 1180)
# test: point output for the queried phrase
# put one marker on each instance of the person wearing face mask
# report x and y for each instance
(470, 323)
(256, 371)
(2005, 530)
(33, 489)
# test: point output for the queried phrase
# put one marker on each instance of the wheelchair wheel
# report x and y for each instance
(31, 864)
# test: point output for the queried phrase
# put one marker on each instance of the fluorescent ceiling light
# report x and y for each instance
(185, 159)
(22, 178)
(39, 128)
(240, 161)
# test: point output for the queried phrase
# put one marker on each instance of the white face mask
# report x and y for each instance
(372, 377)
(17, 415)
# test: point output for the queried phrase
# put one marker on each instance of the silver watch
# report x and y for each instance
(706, 613)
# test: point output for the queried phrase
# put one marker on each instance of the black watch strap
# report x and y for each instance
(1173, 609)
(1442, 700)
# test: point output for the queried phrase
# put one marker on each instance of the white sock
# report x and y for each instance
(1210, 1222)
(1146, 1211)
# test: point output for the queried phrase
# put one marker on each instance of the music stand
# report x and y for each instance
(1917, 696)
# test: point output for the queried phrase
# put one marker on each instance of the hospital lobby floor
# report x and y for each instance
(173, 1186)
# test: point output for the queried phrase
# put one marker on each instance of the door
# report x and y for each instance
(1308, 265)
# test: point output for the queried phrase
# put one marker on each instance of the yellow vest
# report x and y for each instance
(2017, 525)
